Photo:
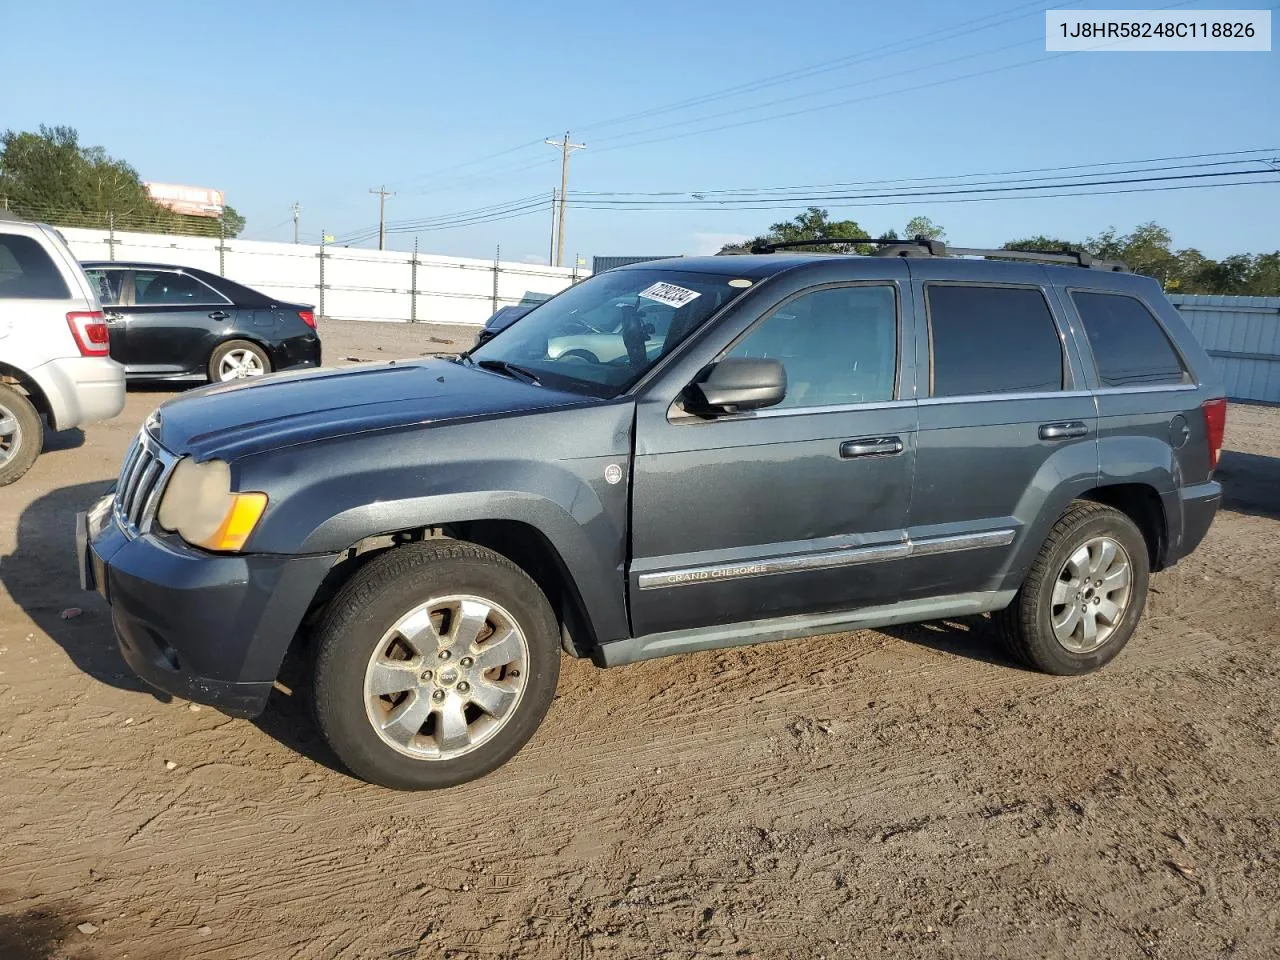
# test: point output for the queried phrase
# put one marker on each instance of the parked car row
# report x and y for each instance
(72, 334)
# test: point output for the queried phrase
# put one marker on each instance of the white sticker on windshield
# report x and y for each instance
(670, 294)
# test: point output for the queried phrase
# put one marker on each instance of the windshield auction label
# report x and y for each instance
(670, 294)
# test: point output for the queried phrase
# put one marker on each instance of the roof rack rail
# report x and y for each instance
(925, 247)
(1077, 258)
(928, 247)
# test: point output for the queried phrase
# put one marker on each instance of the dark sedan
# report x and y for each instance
(180, 323)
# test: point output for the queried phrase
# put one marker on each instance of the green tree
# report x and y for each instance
(1042, 244)
(812, 224)
(924, 227)
(50, 175)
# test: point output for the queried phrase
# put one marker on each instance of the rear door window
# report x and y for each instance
(27, 272)
(173, 289)
(986, 340)
(1130, 348)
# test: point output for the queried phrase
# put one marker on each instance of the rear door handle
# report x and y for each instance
(871, 447)
(1063, 431)
(219, 315)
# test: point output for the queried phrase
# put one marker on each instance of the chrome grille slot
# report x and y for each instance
(142, 479)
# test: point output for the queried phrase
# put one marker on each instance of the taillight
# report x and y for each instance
(89, 328)
(1215, 425)
(308, 317)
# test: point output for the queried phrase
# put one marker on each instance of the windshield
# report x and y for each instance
(602, 335)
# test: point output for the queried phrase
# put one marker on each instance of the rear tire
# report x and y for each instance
(21, 434)
(238, 360)
(1084, 595)
(434, 665)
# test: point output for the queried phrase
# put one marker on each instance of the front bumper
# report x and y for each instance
(206, 627)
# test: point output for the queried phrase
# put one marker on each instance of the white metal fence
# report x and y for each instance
(343, 282)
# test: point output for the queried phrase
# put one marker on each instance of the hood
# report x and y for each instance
(230, 420)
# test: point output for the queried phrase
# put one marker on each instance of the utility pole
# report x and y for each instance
(296, 207)
(566, 147)
(382, 193)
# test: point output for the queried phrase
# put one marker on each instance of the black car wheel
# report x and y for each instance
(238, 360)
(434, 665)
(1084, 595)
(21, 434)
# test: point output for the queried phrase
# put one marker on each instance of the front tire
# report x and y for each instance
(434, 665)
(21, 434)
(1084, 595)
(238, 360)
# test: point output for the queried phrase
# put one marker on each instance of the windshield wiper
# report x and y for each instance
(512, 370)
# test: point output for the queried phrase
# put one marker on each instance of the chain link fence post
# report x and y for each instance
(320, 305)
(497, 256)
(413, 284)
(111, 236)
(222, 247)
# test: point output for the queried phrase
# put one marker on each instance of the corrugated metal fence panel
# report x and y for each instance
(600, 264)
(1242, 335)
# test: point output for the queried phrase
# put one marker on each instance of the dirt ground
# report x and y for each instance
(898, 793)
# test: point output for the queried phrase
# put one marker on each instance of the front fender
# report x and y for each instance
(328, 496)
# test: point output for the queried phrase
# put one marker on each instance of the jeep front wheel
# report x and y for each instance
(434, 665)
(1084, 595)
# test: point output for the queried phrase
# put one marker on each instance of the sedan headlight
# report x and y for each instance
(200, 506)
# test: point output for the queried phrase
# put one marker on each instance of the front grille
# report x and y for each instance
(142, 479)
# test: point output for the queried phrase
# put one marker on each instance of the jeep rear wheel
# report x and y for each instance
(434, 665)
(21, 434)
(1084, 595)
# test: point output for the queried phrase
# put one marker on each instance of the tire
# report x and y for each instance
(586, 356)
(1078, 543)
(377, 621)
(21, 434)
(250, 357)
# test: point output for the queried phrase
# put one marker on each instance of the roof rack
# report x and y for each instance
(925, 247)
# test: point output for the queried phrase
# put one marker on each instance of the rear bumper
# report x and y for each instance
(81, 389)
(208, 628)
(296, 352)
(1199, 505)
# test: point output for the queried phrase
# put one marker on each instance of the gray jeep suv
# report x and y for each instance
(805, 444)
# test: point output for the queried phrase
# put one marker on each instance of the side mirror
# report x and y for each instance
(736, 384)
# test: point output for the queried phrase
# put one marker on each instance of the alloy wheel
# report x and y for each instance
(1091, 594)
(446, 677)
(240, 364)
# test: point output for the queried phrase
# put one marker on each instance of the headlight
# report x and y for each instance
(200, 506)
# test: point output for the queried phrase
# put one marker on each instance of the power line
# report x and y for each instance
(917, 194)
(956, 176)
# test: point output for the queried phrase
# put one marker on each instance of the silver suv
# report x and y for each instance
(54, 362)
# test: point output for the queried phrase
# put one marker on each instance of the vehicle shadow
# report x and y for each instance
(62, 440)
(972, 637)
(41, 577)
(1250, 484)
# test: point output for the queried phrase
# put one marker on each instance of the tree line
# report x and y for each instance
(1147, 249)
(50, 176)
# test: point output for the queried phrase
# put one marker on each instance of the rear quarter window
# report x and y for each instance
(1130, 348)
(27, 272)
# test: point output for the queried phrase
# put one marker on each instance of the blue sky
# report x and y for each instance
(319, 101)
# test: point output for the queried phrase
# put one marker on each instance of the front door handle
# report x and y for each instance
(219, 315)
(1063, 431)
(871, 447)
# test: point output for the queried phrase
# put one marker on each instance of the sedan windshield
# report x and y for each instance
(604, 334)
